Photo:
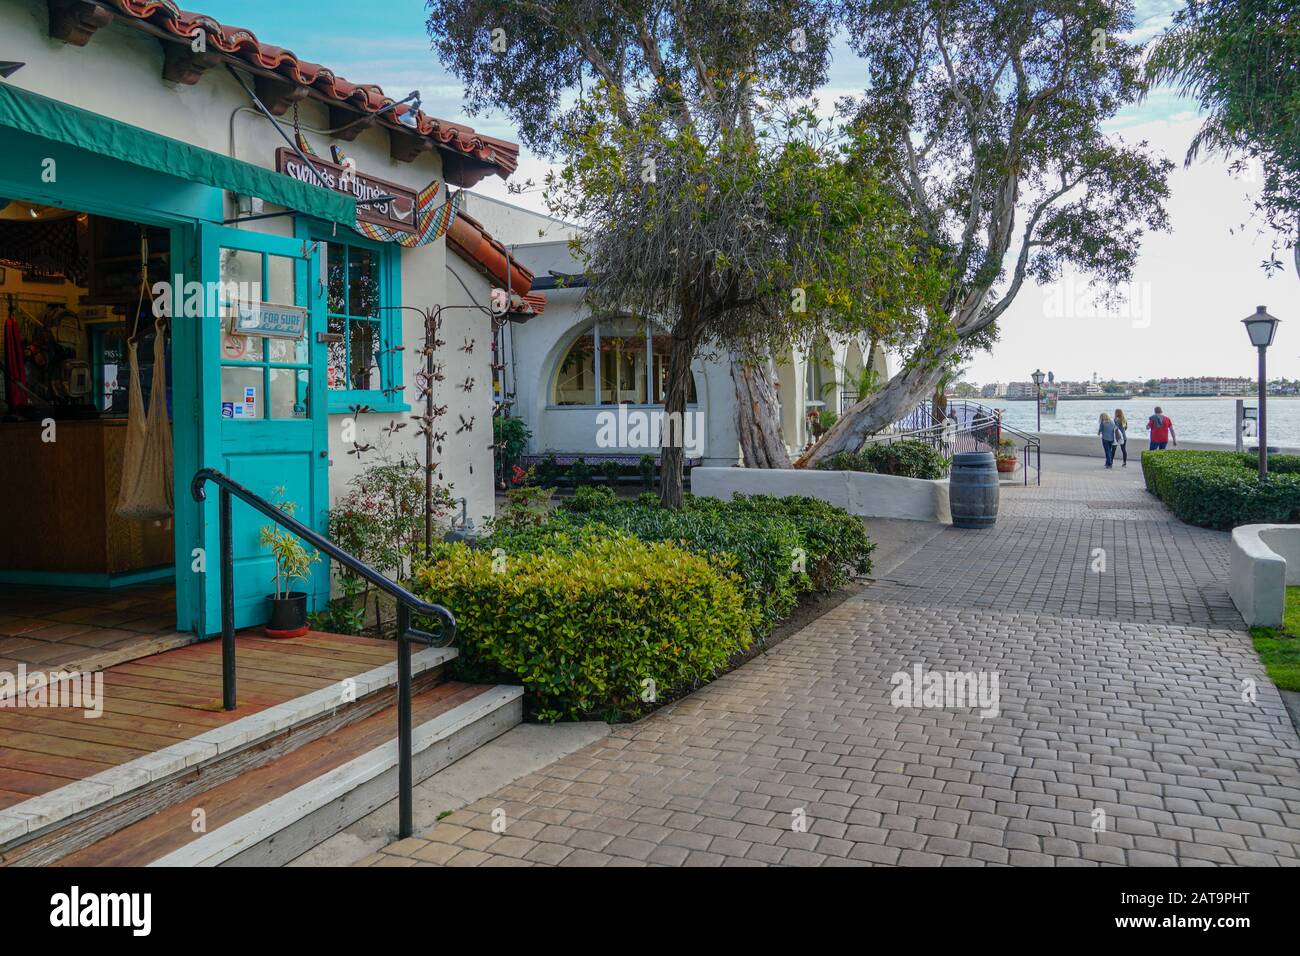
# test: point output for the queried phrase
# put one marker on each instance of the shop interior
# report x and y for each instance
(86, 567)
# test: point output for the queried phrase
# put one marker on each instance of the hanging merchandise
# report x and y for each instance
(146, 493)
(15, 362)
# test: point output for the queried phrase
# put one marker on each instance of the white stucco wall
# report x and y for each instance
(119, 75)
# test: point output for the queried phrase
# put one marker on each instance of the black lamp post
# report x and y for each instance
(1261, 327)
(1038, 395)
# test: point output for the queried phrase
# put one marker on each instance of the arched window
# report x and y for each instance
(614, 353)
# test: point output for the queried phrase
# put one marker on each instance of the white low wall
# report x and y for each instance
(859, 493)
(1265, 558)
(1138, 442)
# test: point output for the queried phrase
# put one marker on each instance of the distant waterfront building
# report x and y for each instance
(1205, 385)
(1020, 390)
(994, 390)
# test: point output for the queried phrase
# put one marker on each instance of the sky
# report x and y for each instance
(1191, 288)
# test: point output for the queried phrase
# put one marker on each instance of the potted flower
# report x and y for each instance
(292, 563)
(1006, 455)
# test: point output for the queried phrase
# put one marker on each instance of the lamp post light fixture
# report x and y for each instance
(1261, 327)
(1038, 395)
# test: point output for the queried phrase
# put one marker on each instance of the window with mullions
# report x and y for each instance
(262, 377)
(361, 288)
(626, 357)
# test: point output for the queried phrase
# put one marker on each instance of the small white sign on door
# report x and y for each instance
(270, 320)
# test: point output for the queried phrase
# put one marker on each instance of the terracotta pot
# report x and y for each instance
(288, 615)
(1006, 465)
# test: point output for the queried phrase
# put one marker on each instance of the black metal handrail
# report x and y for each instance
(965, 426)
(406, 604)
(1030, 444)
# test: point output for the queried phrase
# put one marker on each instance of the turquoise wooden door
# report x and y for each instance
(263, 418)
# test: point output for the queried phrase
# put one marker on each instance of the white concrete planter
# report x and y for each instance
(859, 493)
(1265, 558)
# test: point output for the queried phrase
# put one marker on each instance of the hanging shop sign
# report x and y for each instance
(268, 319)
(397, 214)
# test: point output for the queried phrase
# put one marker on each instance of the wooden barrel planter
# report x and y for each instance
(973, 490)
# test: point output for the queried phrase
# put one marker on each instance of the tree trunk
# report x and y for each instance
(884, 407)
(672, 434)
(758, 417)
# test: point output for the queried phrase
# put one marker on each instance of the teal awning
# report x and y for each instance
(42, 116)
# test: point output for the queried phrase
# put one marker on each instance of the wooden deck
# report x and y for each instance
(167, 698)
(85, 629)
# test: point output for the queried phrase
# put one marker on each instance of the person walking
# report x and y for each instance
(1121, 435)
(1106, 429)
(1161, 427)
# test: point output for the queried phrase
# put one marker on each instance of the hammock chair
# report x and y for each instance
(146, 493)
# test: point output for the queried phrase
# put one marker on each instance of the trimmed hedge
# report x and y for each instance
(601, 627)
(587, 599)
(763, 547)
(835, 542)
(1221, 489)
(905, 459)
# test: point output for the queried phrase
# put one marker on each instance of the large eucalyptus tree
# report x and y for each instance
(988, 116)
(713, 198)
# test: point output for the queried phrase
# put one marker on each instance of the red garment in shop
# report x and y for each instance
(15, 364)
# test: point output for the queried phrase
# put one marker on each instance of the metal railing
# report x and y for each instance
(964, 426)
(406, 604)
(1031, 447)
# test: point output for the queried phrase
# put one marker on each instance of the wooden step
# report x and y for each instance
(67, 781)
(269, 815)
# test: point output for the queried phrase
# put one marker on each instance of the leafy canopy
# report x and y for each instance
(1240, 59)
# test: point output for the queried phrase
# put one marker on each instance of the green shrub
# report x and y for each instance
(835, 542)
(1221, 489)
(782, 546)
(585, 629)
(510, 437)
(762, 549)
(611, 471)
(590, 498)
(580, 472)
(525, 507)
(646, 469)
(549, 471)
(905, 459)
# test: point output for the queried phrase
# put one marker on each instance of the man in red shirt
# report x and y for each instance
(1161, 427)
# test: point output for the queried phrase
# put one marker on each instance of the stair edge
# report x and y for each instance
(239, 836)
(29, 818)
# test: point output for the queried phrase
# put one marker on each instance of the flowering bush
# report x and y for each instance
(380, 521)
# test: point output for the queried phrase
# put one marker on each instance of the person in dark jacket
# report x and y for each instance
(1106, 429)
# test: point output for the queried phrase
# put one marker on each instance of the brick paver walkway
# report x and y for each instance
(1121, 735)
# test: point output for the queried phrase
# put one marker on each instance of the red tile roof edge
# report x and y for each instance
(500, 154)
(469, 238)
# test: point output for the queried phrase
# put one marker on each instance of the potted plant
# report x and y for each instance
(292, 563)
(1007, 453)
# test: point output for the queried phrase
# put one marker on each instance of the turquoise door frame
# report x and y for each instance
(38, 170)
(101, 186)
(278, 446)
